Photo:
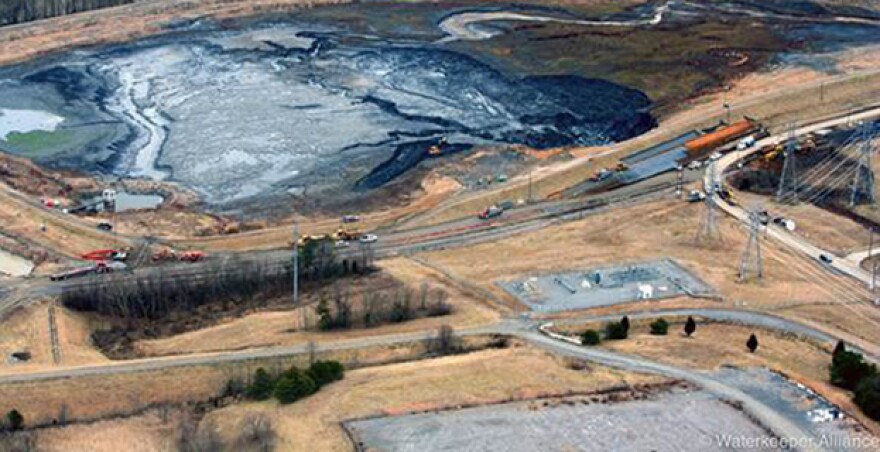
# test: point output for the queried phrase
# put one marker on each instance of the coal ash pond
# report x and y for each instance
(287, 108)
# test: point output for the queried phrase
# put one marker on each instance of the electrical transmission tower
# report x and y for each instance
(750, 262)
(788, 182)
(863, 181)
(709, 232)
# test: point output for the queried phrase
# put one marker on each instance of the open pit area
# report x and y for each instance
(244, 112)
(280, 225)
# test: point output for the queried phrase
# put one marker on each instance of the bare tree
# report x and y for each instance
(257, 433)
(423, 295)
(444, 343)
(18, 442)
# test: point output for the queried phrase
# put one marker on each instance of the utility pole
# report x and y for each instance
(295, 263)
(863, 181)
(726, 107)
(873, 264)
(679, 187)
(530, 186)
(709, 232)
(750, 261)
(788, 183)
(871, 261)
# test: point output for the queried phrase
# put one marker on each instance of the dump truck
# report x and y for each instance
(346, 234)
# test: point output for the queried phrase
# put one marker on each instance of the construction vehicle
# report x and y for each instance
(725, 194)
(305, 239)
(105, 255)
(168, 254)
(772, 153)
(346, 234)
(490, 212)
(437, 149)
(98, 268)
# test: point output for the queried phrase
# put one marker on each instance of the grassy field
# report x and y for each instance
(477, 378)
(717, 344)
(274, 328)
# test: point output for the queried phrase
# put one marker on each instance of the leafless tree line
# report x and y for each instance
(337, 308)
(153, 296)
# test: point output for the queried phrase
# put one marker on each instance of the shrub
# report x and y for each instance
(590, 337)
(324, 372)
(867, 396)
(659, 327)
(262, 386)
(616, 331)
(14, 419)
(848, 368)
(294, 385)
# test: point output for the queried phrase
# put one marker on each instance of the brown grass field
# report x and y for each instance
(478, 378)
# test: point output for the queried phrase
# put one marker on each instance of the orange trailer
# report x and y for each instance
(720, 136)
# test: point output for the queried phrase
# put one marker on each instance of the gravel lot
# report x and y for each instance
(676, 421)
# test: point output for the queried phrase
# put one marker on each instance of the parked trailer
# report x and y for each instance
(721, 136)
(105, 255)
(100, 267)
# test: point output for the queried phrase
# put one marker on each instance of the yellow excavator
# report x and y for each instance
(437, 149)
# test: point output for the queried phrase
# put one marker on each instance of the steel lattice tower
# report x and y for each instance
(788, 183)
(863, 181)
(750, 261)
(709, 232)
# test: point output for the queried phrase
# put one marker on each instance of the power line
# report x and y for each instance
(750, 262)
(863, 181)
(708, 232)
(788, 183)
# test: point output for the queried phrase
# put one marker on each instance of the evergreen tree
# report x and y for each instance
(752, 343)
(294, 385)
(590, 337)
(262, 386)
(659, 327)
(690, 326)
(14, 419)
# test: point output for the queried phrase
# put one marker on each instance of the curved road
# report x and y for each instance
(524, 330)
(782, 235)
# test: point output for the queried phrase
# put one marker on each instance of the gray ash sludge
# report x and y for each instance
(247, 113)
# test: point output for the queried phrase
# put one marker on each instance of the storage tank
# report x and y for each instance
(720, 136)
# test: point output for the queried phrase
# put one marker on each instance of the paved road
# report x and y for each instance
(523, 330)
(779, 234)
(462, 232)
